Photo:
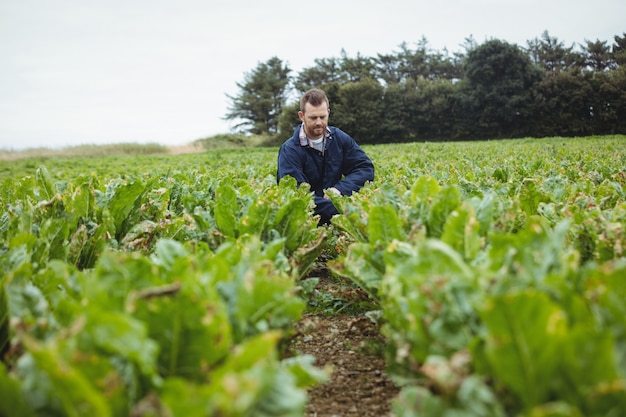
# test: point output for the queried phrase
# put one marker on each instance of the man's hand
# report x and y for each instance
(332, 190)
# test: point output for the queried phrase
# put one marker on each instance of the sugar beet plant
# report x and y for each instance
(162, 286)
(500, 273)
(156, 292)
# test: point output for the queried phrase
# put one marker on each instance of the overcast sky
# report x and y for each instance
(93, 72)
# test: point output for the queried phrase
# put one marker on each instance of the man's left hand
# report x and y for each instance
(332, 190)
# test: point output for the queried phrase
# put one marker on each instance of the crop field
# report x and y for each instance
(495, 272)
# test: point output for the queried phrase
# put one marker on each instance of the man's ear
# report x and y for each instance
(301, 116)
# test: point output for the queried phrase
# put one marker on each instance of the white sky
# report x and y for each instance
(93, 72)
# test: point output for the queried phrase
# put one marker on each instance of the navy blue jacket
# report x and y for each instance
(343, 165)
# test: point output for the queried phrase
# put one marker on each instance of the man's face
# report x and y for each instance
(315, 119)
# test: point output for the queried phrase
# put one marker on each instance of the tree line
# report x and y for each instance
(491, 90)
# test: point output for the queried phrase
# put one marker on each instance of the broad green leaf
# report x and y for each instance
(424, 189)
(486, 211)
(182, 397)
(86, 244)
(427, 296)
(122, 202)
(76, 395)
(605, 293)
(261, 300)
(27, 305)
(119, 334)
(555, 409)
(306, 255)
(254, 383)
(306, 374)
(115, 276)
(461, 231)
(13, 402)
(525, 337)
(530, 197)
(415, 401)
(353, 225)
(190, 326)
(156, 202)
(82, 202)
(423, 192)
(293, 220)
(472, 399)
(57, 282)
(170, 254)
(259, 214)
(5, 337)
(448, 199)
(529, 257)
(20, 252)
(501, 174)
(226, 209)
(477, 398)
(258, 292)
(44, 183)
(364, 265)
(55, 232)
(384, 225)
(589, 372)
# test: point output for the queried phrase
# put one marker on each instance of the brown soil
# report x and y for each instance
(353, 347)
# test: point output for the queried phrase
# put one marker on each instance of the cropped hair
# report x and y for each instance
(315, 97)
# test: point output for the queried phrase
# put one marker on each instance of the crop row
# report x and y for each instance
(500, 283)
(163, 293)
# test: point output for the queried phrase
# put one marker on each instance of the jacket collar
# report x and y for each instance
(304, 141)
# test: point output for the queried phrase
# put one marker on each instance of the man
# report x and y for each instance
(326, 158)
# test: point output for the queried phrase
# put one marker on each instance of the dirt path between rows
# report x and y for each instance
(353, 347)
